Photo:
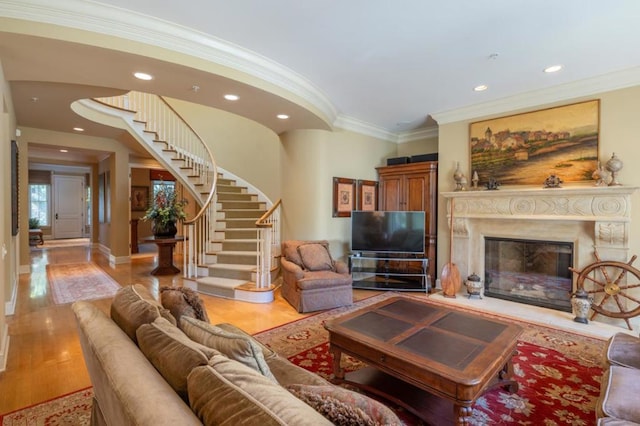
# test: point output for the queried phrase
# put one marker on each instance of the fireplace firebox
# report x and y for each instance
(529, 271)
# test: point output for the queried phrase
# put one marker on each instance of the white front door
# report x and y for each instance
(68, 206)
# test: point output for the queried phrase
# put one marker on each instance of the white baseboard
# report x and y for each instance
(4, 347)
(10, 305)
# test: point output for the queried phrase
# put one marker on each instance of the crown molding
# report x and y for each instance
(586, 87)
(113, 21)
(414, 135)
(358, 126)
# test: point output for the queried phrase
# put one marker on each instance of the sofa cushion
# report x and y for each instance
(344, 407)
(133, 306)
(287, 373)
(290, 249)
(236, 346)
(183, 301)
(624, 349)
(619, 392)
(267, 352)
(315, 257)
(172, 353)
(323, 279)
(228, 393)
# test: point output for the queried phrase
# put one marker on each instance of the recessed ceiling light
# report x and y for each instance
(553, 68)
(231, 97)
(142, 76)
(481, 88)
(282, 116)
(78, 129)
(64, 150)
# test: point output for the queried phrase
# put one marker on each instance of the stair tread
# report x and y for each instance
(222, 282)
(237, 253)
(234, 266)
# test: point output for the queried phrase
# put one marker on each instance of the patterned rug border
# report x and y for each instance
(61, 287)
(21, 416)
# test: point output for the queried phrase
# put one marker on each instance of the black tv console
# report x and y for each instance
(371, 271)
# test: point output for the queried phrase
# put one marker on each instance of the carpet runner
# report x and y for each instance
(558, 373)
(80, 281)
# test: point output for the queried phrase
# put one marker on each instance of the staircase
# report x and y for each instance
(230, 267)
(233, 239)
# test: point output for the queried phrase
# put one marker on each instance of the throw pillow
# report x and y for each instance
(172, 353)
(344, 407)
(183, 301)
(235, 346)
(133, 306)
(227, 393)
(315, 257)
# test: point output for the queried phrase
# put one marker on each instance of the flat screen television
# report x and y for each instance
(387, 231)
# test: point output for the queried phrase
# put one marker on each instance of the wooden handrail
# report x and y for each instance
(261, 222)
(205, 205)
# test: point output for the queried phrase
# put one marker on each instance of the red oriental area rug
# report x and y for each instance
(558, 372)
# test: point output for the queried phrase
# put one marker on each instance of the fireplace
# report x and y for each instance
(529, 271)
(575, 221)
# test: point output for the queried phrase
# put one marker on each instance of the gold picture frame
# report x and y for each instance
(525, 149)
(139, 198)
(367, 195)
(344, 191)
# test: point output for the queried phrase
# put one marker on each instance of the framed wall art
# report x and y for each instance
(344, 196)
(139, 198)
(15, 196)
(525, 149)
(367, 191)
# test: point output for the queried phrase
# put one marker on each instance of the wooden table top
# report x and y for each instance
(427, 344)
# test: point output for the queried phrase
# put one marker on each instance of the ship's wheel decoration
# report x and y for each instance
(612, 286)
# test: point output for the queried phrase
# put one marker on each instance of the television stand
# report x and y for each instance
(388, 272)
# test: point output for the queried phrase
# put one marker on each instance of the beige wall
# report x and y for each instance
(310, 160)
(9, 244)
(417, 147)
(619, 130)
(240, 146)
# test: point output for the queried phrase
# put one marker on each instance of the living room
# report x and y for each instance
(299, 164)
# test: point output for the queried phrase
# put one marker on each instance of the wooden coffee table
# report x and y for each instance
(433, 360)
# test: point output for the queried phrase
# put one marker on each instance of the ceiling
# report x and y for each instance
(384, 67)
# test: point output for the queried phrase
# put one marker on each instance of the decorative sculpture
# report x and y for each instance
(614, 165)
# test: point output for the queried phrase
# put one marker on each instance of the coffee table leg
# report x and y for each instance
(462, 414)
(338, 371)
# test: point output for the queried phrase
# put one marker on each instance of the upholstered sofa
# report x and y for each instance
(147, 368)
(620, 388)
(311, 279)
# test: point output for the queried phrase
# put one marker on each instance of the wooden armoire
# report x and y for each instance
(413, 187)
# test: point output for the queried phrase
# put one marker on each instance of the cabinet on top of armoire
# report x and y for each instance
(413, 187)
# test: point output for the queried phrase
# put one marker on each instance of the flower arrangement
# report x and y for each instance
(165, 208)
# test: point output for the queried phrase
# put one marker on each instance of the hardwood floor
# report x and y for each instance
(45, 359)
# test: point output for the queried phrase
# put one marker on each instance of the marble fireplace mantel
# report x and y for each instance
(588, 216)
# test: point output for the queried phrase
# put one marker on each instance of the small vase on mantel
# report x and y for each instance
(614, 165)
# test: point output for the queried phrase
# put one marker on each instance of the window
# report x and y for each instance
(40, 202)
(156, 185)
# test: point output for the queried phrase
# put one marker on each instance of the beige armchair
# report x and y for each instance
(312, 280)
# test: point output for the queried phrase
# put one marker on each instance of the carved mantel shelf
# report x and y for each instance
(576, 203)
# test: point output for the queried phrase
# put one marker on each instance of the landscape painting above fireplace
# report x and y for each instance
(525, 149)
